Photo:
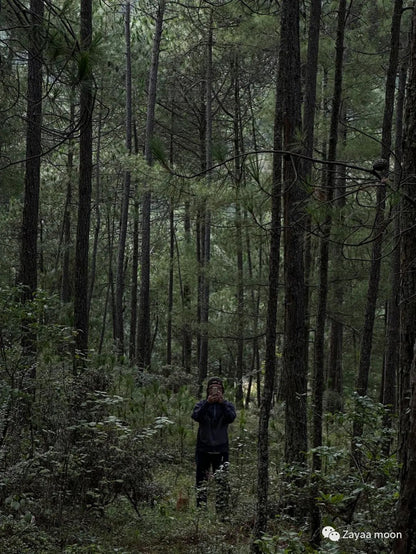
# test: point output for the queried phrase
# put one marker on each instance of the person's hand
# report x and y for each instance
(220, 397)
(215, 395)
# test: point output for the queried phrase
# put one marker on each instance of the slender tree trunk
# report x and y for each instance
(334, 381)
(66, 288)
(206, 215)
(170, 285)
(28, 272)
(255, 307)
(311, 70)
(271, 324)
(171, 244)
(110, 287)
(144, 342)
(186, 328)
(391, 363)
(97, 203)
(238, 179)
(319, 351)
(379, 224)
(318, 384)
(119, 327)
(134, 264)
(406, 508)
(294, 370)
(84, 193)
(134, 280)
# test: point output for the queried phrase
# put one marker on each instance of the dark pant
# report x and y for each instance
(218, 462)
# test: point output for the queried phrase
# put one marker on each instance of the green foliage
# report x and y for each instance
(96, 462)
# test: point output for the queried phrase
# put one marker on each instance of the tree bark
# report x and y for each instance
(294, 370)
(262, 511)
(134, 263)
(379, 225)
(319, 347)
(144, 341)
(66, 284)
(28, 271)
(318, 383)
(334, 381)
(406, 509)
(205, 235)
(119, 327)
(238, 179)
(391, 362)
(170, 284)
(84, 191)
(186, 328)
(97, 203)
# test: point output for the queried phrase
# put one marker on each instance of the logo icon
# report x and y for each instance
(329, 533)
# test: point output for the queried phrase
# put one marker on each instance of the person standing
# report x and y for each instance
(213, 414)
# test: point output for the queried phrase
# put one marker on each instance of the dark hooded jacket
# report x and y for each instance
(213, 419)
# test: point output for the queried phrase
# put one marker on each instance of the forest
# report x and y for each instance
(199, 188)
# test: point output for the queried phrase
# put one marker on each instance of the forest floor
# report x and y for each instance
(47, 519)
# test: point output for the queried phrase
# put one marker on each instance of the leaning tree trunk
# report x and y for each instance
(144, 346)
(406, 508)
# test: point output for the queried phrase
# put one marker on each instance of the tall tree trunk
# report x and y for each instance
(311, 70)
(143, 324)
(391, 362)
(134, 280)
(294, 370)
(319, 350)
(171, 243)
(186, 327)
(170, 284)
(238, 179)
(84, 191)
(66, 288)
(134, 263)
(119, 327)
(262, 511)
(255, 298)
(379, 224)
(206, 215)
(334, 381)
(97, 203)
(406, 508)
(28, 274)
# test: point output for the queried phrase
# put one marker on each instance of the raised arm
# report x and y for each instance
(199, 410)
(229, 411)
